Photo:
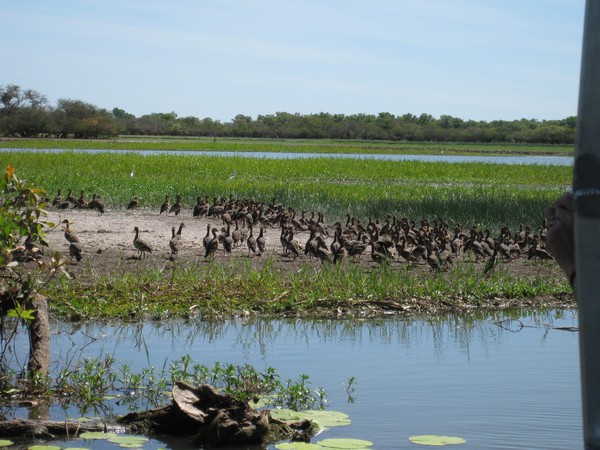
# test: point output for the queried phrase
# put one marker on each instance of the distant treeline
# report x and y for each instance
(26, 113)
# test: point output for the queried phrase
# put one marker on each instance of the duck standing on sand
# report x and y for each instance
(141, 246)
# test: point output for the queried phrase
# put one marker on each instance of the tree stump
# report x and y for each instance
(213, 419)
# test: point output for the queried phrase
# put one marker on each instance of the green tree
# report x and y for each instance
(82, 120)
(24, 271)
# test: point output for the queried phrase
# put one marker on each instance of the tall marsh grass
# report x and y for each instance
(491, 195)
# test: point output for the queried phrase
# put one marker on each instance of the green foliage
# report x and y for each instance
(25, 113)
(23, 268)
(22, 239)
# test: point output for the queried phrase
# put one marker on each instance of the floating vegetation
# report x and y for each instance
(97, 435)
(45, 447)
(436, 440)
(351, 444)
(5, 442)
(298, 446)
(128, 441)
(322, 417)
(345, 443)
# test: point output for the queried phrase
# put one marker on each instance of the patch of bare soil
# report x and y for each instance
(107, 246)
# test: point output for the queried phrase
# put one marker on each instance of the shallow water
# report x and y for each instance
(514, 386)
(523, 159)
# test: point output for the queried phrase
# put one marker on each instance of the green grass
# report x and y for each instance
(491, 195)
(215, 289)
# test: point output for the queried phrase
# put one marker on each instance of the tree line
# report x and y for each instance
(26, 113)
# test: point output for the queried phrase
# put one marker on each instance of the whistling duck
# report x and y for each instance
(57, 199)
(212, 245)
(291, 244)
(164, 208)
(97, 203)
(141, 246)
(134, 203)
(81, 202)
(236, 235)
(75, 251)
(69, 233)
(261, 242)
(337, 249)
(175, 241)
(200, 209)
(322, 251)
(537, 252)
(227, 240)
(490, 265)
(251, 243)
(177, 206)
(68, 201)
(444, 255)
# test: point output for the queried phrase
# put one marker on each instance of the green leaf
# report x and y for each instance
(298, 446)
(327, 418)
(129, 441)
(436, 440)
(5, 442)
(97, 435)
(287, 415)
(45, 447)
(345, 443)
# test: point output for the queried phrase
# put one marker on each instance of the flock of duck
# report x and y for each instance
(434, 243)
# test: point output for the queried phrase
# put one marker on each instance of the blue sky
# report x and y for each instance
(474, 59)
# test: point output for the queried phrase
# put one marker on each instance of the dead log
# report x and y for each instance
(49, 429)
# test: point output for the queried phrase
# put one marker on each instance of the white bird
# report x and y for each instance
(233, 175)
(132, 171)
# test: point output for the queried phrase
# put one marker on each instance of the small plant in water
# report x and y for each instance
(95, 382)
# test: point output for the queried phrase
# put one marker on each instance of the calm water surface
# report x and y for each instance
(524, 159)
(514, 386)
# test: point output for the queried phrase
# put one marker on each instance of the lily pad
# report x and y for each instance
(287, 415)
(97, 435)
(298, 446)
(436, 440)
(44, 447)
(5, 442)
(327, 418)
(129, 441)
(354, 444)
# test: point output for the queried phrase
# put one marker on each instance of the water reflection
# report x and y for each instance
(254, 337)
(496, 386)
